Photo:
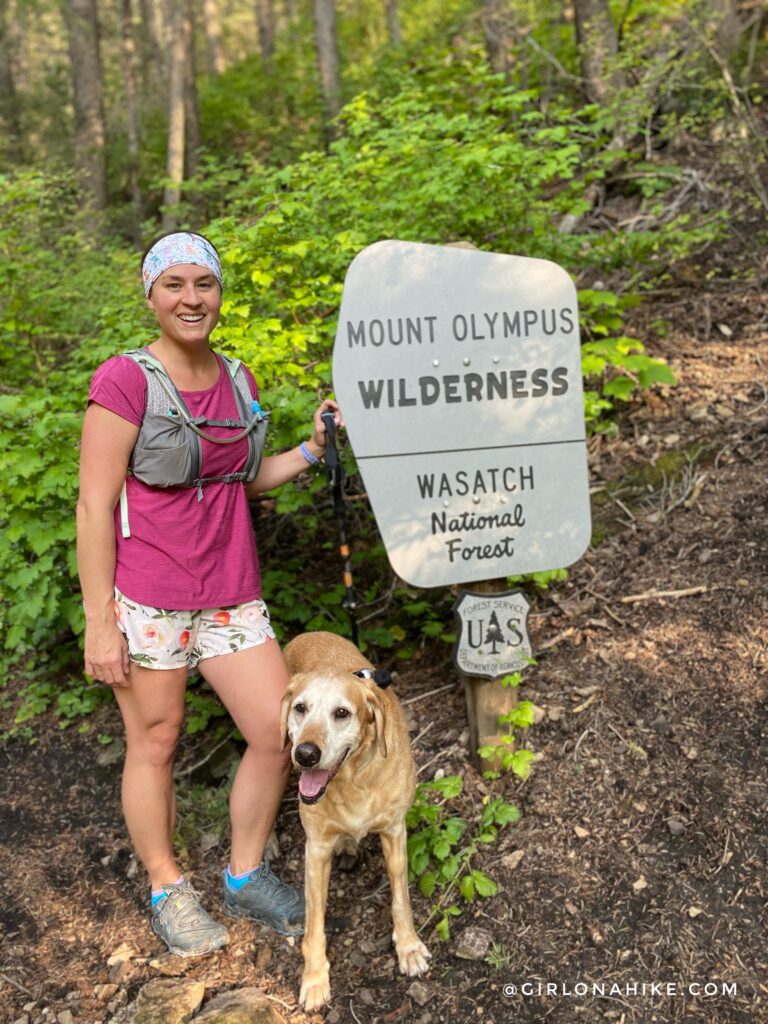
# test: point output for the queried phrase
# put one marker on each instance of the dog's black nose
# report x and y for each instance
(308, 754)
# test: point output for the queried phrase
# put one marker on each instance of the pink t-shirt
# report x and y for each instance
(184, 553)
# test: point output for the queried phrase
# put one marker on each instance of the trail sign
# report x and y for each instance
(459, 376)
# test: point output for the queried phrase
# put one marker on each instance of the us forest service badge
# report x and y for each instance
(492, 638)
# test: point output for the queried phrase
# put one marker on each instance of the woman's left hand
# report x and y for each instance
(319, 437)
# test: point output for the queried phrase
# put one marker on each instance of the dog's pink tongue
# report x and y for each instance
(312, 782)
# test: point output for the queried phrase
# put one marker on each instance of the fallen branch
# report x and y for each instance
(429, 693)
(653, 595)
(16, 984)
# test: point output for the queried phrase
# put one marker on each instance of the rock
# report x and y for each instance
(113, 754)
(209, 841)
(661, 725)
(473, 944)
(675, 826)
(163, 1001)
(169, 965)
(121, 972)
(725, 330)
(366, 996)
(123, 952)
(698, 412)
(22, 1020)
(104, 992)
(65, 1017)
(581, 833)
(241, 1006)
(511, 860)
(725, 412)
(419, 993)
(640, 884)
(694, 911)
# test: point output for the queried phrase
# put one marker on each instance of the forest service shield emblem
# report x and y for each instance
(492, 638)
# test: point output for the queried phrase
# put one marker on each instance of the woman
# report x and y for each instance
(173, 583)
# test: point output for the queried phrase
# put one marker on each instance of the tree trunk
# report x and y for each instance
(498, 41)
(89, 108)
(191, 109)
(9, 109)
(598, 49)
(327, 46)
(128, 53)
(154, 27)
(213, 37)
(393, 23)
(265, 19)
(174, 164)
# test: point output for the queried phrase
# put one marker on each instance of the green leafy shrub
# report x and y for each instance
(441, 853)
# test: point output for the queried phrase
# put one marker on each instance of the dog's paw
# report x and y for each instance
(315, 992)
(413, 958)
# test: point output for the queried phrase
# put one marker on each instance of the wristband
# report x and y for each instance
(310, 458)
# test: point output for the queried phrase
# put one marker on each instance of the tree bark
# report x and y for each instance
(174, 164)
(265, 19)
(327, 46)
(498, 41)
(128, 54)
(90, 154)
(598, 49)
(393, 23)
(9, 109)
(212, 25)
(154, 27)
(191, 108)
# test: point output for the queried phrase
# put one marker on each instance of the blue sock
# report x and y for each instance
(160, 894)
(236, 882)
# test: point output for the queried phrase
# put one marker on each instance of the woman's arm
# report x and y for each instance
(107, 442)
(279, 469)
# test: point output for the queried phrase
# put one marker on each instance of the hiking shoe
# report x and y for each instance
(265, 898)
(184, 926)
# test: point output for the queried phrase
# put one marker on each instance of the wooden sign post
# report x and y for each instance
(459, 373)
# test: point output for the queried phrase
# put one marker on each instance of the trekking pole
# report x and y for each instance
(335, 472)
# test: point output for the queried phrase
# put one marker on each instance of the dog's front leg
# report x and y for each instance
(412, 954)
(315, 981)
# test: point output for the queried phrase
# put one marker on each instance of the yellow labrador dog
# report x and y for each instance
(350, 741)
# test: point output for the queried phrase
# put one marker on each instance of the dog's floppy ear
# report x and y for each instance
(376, 709)
(285, 707)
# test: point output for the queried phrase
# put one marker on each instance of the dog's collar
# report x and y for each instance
(380, 676)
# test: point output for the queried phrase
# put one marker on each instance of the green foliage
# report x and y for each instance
(441, 853)
(501, 755)
(612, 363)
(433, 147)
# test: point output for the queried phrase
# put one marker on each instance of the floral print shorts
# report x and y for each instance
(173, 639)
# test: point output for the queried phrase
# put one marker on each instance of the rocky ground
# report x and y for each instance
(638, 867)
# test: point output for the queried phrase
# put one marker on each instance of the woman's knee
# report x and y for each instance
(156, 743)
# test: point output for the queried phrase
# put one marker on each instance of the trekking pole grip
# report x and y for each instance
(330, 425)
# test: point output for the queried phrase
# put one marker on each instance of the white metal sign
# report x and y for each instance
(492, 640)
(459, 376)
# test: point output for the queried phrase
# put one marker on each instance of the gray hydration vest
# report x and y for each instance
(169, 452)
